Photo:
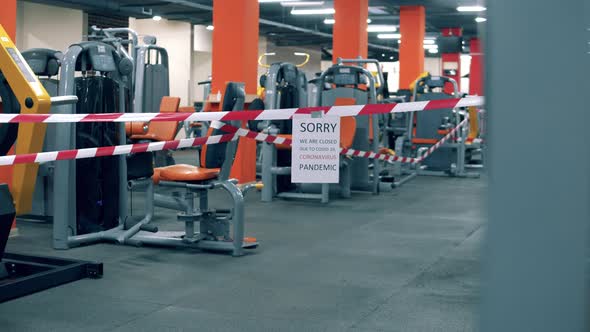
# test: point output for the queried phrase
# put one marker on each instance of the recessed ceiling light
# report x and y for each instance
(369, 20)
(209, 27)
(471, 8)
(390, 58)
(329, 21)
(319, 11)
(389, 36)
(301, 3)
(157, 18)
(382, 54)
(381, 28)
(480, 19)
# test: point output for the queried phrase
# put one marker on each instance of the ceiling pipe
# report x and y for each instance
(113, 5)
(191, 4)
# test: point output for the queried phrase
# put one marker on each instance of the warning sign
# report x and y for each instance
(316, 149)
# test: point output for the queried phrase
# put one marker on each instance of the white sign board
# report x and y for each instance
(316, 149)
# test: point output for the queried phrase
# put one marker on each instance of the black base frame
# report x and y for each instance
(21, 275)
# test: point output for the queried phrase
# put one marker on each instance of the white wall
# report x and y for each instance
(176, 37)
(201, 71)
(41, 26)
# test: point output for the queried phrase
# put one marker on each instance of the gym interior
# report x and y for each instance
(289, 165)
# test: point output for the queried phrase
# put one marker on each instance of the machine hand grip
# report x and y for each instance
(63, 100)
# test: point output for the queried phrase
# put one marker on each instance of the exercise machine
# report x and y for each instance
(426, 128)
(355, 85)
(21, 91)
(219, 230)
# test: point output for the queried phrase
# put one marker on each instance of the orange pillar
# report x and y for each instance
(452, 61)
(235, 58)
(350, 29)
(8, 21)
(476, 70)
(411, 51)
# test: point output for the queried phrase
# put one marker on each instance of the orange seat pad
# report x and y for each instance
(284, 146)
(185, 173)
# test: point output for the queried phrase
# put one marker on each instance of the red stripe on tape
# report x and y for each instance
(251, 134)
(309, 110)
(139, 148)
(171, 145)
(30, 118)
(377, 109)
(66, 155)
(442, 104)
(232, 116)
(105, 151)
(25, 158)
(106, 117)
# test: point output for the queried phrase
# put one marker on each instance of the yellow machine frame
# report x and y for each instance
(33, 99)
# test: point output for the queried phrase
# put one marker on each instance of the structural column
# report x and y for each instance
(235, 58)
(536, 251)
(451, 62)
(8, 21)
(411, 50)
(350, 29)
(476, 70)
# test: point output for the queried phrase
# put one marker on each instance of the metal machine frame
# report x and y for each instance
(21, 275)
(456, 169)
(269, 168)
(213, 223)
(360, 167)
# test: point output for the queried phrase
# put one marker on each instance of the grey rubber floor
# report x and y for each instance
(401, 261)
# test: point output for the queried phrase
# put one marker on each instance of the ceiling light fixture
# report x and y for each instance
(157, 18)
(319, 11)
(381, 28)
(433, 50)
(389, 36)
(276, 1)
(209, 27)
(427, 47)
(301, 3)
(369, 20)
(329, 21)
(480, 19)
(471, 9)
(429, 42)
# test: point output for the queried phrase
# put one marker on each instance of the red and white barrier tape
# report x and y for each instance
(280, 114)
(106, 151)
(261, 137)
(442, 140)
(43, 157)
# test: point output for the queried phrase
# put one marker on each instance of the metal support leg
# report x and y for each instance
(238, 217)
(268, 158)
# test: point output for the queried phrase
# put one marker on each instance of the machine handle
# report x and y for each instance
(63, 100)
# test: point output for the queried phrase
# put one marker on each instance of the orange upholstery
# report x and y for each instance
(347, 123)
(185, 173)
(135, 128)
(443, 131)
(347, 131)
(186, 109)
(284, 146)
(424, 140)
(165, 130)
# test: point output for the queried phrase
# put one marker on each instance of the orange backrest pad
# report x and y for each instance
(166, 130)
(347, 123)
